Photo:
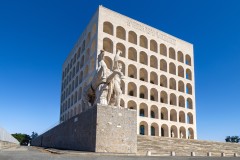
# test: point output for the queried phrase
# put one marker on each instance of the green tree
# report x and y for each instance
(24, 139)
(232, 139)
(34, 135)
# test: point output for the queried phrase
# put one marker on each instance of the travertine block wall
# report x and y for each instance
(116, 130)
(99, 129)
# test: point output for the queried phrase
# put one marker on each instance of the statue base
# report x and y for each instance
(99, 129)
(116, 130)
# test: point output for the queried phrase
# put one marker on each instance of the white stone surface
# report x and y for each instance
(5, 136)
(158, 68)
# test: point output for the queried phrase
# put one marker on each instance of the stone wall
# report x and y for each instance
(164, 146)
(99, 129)
(116, 130)
(77, 133)
(6, 137)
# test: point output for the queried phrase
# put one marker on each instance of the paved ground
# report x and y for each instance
(32, 153)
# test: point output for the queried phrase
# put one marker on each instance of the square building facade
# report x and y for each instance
(158, 68)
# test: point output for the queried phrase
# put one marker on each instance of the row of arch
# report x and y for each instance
(81, 49)
(165, 131)
(143, 42)
(153, 94)
(89, 68)
(151, 61)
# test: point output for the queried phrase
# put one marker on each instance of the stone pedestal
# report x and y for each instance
(116, 130)
(99, 129)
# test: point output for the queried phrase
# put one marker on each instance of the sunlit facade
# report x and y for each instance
(159, 74)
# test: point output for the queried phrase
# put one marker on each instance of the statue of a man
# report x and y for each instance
(115, 90)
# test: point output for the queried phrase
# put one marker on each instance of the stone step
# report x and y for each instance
(182, 147)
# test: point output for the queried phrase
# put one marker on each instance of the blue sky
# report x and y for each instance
(36, 36)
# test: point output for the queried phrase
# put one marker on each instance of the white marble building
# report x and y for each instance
(159, 71)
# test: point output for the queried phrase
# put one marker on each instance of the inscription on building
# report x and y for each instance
(150, 31)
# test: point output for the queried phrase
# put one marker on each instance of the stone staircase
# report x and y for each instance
(162, 146)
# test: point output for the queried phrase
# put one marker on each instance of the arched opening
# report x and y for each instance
(164, 97)
(173, 115)
(93, 47)
(143, 92)
(154, 129)
(132, 89)
(180, 71)
(123, 86)
(132, 54)
(174, 132)
(189, 103)
(173, 99)
(163, 50)
(143, 75)
(132, 37)
(180, 86)
(143, 110)
(86, 71)
(121, 33)
(182, 117)
(189, 89)
(82, 61)
(153, 62)
(188, 74)
(122, 48)
(188, 60)
(108, 45)
(153, 78)
(164, 131)
(172, 54)
(164, 113)
(181, 101)
(172, 83)
(88, 38)
(108, 28)
(80, 93)
(153, 46)
(163, 65)
(154, 111)
(87, 55)
(92, 65)
(189, 118)
(180, 57)
(132, 71)
(81, 77)
(108, 62)
(143, 41)
(143, 58)
(143, 128)
(172, 68)
(182, 133)
(190, 133)
(154, 95)
(94, 29)
(163, 81)
(122, 104)
(132, 105)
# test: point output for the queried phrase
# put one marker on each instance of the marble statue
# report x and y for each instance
(105, 87)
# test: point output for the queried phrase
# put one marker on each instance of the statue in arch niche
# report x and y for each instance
(105, 87)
